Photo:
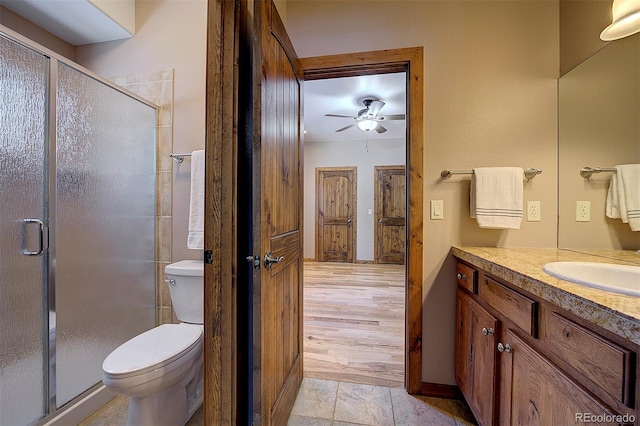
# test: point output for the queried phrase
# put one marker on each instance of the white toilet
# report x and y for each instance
(161, 369)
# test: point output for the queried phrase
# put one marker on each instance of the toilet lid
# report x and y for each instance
(152, 349)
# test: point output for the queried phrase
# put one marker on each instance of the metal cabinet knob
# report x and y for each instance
(461, 276)
(487, 331)
(504, 348)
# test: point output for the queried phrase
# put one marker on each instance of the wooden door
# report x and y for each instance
(277, 220)
(390, 208)
(336, 190)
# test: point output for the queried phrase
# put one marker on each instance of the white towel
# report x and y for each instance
(195, 239)
(496, 197)
(623, 197)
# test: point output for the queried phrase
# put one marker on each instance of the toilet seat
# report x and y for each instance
(153, 350)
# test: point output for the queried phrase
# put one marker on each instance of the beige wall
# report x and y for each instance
(491, 72)
(170, 35)
(363, 154)
(581, 22)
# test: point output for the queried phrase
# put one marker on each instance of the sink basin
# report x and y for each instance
(605, 276)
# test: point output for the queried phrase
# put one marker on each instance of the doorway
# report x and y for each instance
(409, 60)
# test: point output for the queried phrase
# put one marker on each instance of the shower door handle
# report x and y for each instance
(40, 250)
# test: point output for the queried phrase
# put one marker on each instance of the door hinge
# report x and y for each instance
(208, 256)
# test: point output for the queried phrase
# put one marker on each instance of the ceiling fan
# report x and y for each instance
(369, 118)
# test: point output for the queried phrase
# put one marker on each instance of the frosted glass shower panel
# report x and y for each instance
(105, 225)
(23, 89)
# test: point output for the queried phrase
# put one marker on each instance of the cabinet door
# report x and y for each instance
(539, 392)
(463, 343)
(476, 357)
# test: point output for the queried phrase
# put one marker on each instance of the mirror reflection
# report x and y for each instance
(599, 126)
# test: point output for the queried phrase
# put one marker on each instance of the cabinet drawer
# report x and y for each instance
(511, 304)
(600, 360)
(466, 277)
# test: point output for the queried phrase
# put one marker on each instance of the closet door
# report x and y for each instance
(23, 136)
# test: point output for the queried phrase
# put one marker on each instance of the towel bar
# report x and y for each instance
(179, 158)
(529, 173)
(586, 172)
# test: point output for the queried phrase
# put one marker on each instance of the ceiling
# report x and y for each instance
(344, 96)
(74, 21)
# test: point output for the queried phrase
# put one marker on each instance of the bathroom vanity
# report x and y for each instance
(533, 349)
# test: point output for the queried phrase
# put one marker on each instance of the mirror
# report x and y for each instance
(599, 126)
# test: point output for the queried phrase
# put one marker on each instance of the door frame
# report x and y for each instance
(227, 33)
(409, 60)
(354, 185)
(377, 198)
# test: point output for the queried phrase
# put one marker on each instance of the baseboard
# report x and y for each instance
(309, 259)
(365, 262)
(437, 390)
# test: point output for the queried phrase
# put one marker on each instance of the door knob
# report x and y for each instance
(487, 331)
(504, 348)
(268, 260)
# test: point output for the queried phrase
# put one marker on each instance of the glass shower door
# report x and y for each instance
(23, 137)
(104, 226)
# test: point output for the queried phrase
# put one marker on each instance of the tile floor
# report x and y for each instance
(328, 403)
(115, 412)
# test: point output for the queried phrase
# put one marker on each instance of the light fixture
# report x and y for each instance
(626, 20)
(367, 125)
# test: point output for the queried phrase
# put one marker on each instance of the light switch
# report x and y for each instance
(370, 211)
(437, 210)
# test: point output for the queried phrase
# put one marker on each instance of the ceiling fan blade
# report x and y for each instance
(345, 128)
(374, 108)
(392, 117)
(340, 116)
(380, 128)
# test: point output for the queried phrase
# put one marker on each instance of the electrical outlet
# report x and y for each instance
(533, 211)
(583, 211)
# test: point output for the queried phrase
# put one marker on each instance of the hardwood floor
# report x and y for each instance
(354, 323)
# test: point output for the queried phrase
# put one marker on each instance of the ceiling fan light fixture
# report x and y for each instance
(367, 125)
(626, 20)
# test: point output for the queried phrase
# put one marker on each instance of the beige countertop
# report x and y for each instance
(522, 267)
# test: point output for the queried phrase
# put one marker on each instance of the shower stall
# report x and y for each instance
(77, 228)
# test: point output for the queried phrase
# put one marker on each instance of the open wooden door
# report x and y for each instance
(277, 195)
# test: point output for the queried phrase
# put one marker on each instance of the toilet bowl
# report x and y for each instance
(161, 370)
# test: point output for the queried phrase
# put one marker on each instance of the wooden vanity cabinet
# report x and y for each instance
(476, 339)
(536, 392)
(520, 360)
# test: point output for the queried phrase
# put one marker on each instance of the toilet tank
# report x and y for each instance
(186, 285)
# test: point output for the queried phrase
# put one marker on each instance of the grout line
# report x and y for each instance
(393, 411)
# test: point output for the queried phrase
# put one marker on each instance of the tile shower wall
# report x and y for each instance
(157, 87)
